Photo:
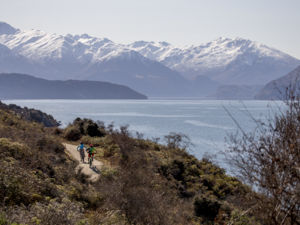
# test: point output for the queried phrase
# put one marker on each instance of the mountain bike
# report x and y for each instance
(91, 159)
(82, 155)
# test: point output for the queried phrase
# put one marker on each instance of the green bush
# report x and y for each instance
(12, 185)
(13, 149)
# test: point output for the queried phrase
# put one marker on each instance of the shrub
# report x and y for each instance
(13, 149)
(54, 212)
(72, 133)
(96, 141)
(92, 130)
(240, 218)
(50, 144)
(269, 160)
(136, 189)
(177, 140)
(89, 127)
(206, 208)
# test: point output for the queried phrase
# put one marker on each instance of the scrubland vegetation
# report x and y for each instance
(269, 160)
(142, 181)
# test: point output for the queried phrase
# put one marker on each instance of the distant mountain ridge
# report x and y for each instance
(157, 69)
(225, 60)
(276, 89)
(236, 92)
(21, 86)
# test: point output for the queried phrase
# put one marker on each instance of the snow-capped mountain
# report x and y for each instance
(83, 57)
(229, 61)
(40, 46)
(153, 68)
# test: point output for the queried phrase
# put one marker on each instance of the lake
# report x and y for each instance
(206, 122)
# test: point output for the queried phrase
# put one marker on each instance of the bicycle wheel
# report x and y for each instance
(90, 161)
(82, 156)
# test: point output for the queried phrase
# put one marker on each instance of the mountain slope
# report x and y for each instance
(19, 86)
(10, 61)
(276, 89)
(236, 92)
(142, 74)
(7, 29)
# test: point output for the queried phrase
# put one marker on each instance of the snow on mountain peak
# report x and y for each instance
(41, 46)
(209, 59)
(123, 54)
(214, 55)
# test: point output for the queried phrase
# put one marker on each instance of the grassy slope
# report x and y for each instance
(142, 183)
(37, 180)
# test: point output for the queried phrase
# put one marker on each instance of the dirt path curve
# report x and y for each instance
(94, 172)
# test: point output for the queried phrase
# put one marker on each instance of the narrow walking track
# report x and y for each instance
(94, 172)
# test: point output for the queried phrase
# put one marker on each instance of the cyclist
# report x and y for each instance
(91, 152)
(81, 148)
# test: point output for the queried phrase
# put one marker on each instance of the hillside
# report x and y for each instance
(36, 176)
(236, 92)
(32, 115)
(155, 69)
(20, 86)
(276, 89)
(141, 182)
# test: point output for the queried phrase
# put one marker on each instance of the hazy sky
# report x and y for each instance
(180, 22)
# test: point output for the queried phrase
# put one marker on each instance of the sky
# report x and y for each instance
(275, 23)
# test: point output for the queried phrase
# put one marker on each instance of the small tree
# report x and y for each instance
(177, 140)
(269, 160)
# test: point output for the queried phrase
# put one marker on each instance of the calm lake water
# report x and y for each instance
(206, 122)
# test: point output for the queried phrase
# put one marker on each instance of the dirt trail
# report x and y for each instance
(94, 172)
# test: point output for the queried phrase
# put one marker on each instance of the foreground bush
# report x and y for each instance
(269, 160)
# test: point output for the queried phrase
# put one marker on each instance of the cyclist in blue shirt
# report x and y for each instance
(81, 148)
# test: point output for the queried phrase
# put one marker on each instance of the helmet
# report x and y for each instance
(81, 143)
(91, 145)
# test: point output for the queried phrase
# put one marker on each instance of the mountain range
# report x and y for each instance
(280, 88)
(157, 69)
